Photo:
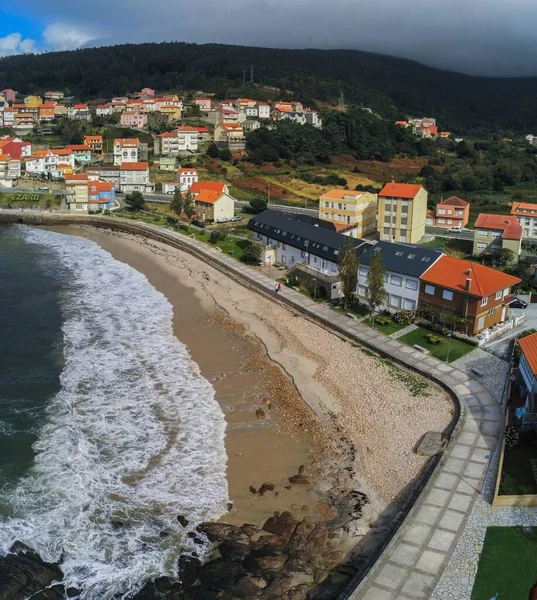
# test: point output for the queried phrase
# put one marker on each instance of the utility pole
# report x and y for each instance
(251, 74)
(244, 77)
(268, 200)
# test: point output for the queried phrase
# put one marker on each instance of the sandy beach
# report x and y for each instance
(349, 418)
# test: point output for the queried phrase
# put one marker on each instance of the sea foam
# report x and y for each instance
(134, 438)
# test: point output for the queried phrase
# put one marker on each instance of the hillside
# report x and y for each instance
(389, 85)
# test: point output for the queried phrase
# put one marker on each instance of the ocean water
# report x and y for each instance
(108, 429)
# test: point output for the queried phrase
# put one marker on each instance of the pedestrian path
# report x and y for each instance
(397, 334)
(412, 564)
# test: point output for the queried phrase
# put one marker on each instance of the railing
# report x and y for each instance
(315, 273)
(500, 329)
(529, 421)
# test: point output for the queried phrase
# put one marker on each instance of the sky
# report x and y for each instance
(479, 37)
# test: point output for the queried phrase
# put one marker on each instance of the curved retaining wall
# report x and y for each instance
(432, 517)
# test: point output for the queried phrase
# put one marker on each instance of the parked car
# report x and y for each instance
(43, 189)
(237, 218)
(518, 303)
(455, 229)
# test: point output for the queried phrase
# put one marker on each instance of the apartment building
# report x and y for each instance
(76, 195)
(134, 177)
(497, 232)
(402, 212)
(356, 211)
(10, 169)
(526, 215)
(126, 150)
(479, 295)
(133, 118)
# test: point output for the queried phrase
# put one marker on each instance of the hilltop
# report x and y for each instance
(390, 86)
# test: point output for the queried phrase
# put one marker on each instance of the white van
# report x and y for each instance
(455, 229)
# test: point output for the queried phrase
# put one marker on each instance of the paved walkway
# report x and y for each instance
(397, 334)
(411, 566)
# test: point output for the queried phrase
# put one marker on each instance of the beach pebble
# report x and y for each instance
(260, 413)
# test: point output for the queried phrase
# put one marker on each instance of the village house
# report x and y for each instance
(167, 163)
(230, 135)
(355, 212)
(226, 115)
(46, 111)
(313, 118)
(126, 150)
(119, 100)
(263, 110)
(8, 117)
(204, 135)
(33, 101)
(43, 162)
(250, 125)
(95, 143)
(60, 110)
(526, 215)
(10, 169)
(15, 147)
(169, 187)
(79, 111)
(133, 118)
(172, 113)
(23, 122)
(10, 95)
(402, 211)
(110, 174)
(54, 95)
(307, 248)
(496, 232)
(404, 266)
(203, 103)
(187, 139)
(101, 196)
(82, 153)
(76, 192)
(186, 177)
(451, 212)
(103, 110)
(134, 177)
(479, 296)
(65, 162)
(213, 202)
(147, 93)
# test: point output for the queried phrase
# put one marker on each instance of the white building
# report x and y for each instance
(126, 150)
(404, 266)
(186, 177)
(263, 110)
(10, 169)
(184, 140)
(134, 177)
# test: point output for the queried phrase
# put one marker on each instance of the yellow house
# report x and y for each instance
(402, 211)
(172, 112)
(77, 192)
(33, 101)
(348, 208)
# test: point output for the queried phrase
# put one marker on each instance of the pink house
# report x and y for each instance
(9, 94)
(148, 92)
(132, 118)
(203, 103)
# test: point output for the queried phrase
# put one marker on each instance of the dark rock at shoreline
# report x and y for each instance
(183, 521)
(299, 479)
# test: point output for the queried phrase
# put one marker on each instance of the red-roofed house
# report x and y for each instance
(187, 177)
(126, 150)
(526, 214)
(10, 169)
(95, 143)
(527, 373)
(9, 94)
(497, 232)
(134, 177)
(451, 212)
(478, 294)
(213, 202)
(15, 147)
(79, 111)
(230, 135)
(147, 93)
(402, 212)
(203, 103)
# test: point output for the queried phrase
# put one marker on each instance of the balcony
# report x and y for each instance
(325, 277)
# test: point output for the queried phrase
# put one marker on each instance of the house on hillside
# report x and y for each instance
(101, 196)
(230, 135)
(95, 143)
(167, 163)
(54, 95)
(79, 111)
(10, 95)
(187, 177)
(134, 177)
(451, 212)
(497, 232)
(355, 211)
(203, 102)
(526, 215)
(10, 170)
(402, 212)
(478, 295)
(213, 202)
(81, 152)
(309, 249)
(126, 150)
(404, 266)
(133, 118)
(527, 378)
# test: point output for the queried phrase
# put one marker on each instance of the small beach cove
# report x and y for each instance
(326, 427)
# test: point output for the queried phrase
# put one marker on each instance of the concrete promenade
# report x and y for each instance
(412, 563)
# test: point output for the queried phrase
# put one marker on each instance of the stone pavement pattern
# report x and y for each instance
(414, 561)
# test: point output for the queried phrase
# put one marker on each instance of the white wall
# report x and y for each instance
(224, 208)
(398, 297)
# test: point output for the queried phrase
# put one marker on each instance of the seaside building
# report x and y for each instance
(213, 202)
(402, 211)
(10, 169)
(496, 232)
(351, 212)
(134, 177)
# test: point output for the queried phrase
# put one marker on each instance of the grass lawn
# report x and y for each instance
(358, 310)
(452, 247)
(387, 329)
(517, 476)
(507, 565)
(456, 350)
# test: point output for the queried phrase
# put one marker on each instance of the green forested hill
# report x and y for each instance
(390, 86)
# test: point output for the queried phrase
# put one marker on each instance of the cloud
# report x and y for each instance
(481, 37)
(15, 44)
(61, 36)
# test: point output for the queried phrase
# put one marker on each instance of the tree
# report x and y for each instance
(504, 256)
(135, 201)
(258, 205)
(252, 254)
(348, 269)
(375, 281)
(177, 204)
(212, 151)
(189, 207)
(224, 154)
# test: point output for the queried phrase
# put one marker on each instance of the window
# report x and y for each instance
(409, 304)
(496, 234)
(441, 211)
(395, 301)
(491, 312)
(482, 233)
(385, 278)
(429, 289)
(481, 323)
(411, 284)
(79, 206)
(447, 295)
(484, 301)
(362, 291)
(505, 292)
(364, 270)
(283, 247)
(396, 280)
(498, 295)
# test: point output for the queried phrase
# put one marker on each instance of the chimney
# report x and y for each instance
(468, 284)
(469, 272)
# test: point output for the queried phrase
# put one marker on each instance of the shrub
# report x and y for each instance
(292, 282)
(252, 254)
(383, 320)
(215, 236)
(222, 232)
(404, 317)
(511, 437)
(434, 340)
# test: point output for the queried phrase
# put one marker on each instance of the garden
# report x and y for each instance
(440, 346)
(517, 476)
(506, 569)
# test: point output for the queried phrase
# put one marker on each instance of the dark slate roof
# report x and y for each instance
(403, 258)
(283, 227)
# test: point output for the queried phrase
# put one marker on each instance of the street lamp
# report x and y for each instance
(269, 261)
(449, 346)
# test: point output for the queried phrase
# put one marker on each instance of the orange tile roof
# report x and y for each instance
(186, 128)
(62, 151)
(523, 208)
(400, 190)
(509, 225)
(135, 166)
(452, 273)
(78, 147)
(127, 142)
(80, 106)
(401, 123)
(39, 154)
(338, 194)
(100, 186)
(94, 139)
(231, 125)
(77, 177)
(166, 134)
(208, 196)
(4, 157)
(454, 201)
(187, 171)
(215, 186)
(528, 346)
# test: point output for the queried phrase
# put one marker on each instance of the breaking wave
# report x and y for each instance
(133, 439)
